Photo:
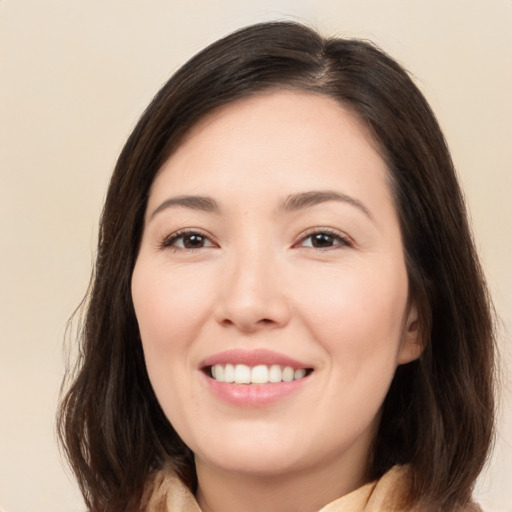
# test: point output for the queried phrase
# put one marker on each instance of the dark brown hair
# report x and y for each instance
(439, 412)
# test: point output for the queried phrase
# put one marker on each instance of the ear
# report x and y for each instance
(412, 344)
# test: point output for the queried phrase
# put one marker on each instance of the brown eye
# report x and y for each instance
(324, 240)
(193, 241)
(188, 240)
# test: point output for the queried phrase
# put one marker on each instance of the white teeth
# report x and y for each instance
(242, 374)
(299, 374)
(288, 374)
(260, 374)
(275, 373)
(219, 373)
(229, 373)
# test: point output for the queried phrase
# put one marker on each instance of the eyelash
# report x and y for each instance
(343, 241)
(170, 240)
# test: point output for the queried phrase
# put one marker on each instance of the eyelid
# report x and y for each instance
(344, 239)
(168, 240)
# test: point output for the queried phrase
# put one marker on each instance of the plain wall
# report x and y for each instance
(75, 76)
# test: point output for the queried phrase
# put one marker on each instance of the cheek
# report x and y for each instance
(165, 302)
(357, 313)
(170, 309)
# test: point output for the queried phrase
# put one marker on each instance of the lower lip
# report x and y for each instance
(253, 395)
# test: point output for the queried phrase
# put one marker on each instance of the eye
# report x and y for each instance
(324, 239)
(187, 240)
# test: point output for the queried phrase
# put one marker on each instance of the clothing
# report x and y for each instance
(166, 493)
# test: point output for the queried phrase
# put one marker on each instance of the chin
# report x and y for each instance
(255, 464)
(263, 455)
(235, 444)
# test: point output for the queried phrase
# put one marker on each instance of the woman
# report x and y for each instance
(287, 311)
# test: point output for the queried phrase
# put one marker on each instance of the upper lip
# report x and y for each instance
(251, 358)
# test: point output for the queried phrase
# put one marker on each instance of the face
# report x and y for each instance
(270, 287)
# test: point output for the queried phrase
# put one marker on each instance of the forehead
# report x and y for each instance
(284, 138)
(275, 107)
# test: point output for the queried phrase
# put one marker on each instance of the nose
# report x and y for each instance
(253, 296)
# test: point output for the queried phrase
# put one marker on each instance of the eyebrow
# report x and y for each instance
(201, 203)
(303, 200)
(292, 203)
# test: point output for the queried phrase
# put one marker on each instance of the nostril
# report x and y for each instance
(251, 315)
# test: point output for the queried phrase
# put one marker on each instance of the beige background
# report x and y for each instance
(75, 76)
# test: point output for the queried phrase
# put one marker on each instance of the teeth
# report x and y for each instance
(288, 374)
(260, 374)
(242, 374)
(275, 374)
(229, 373)
(299, 374)
(219, 373)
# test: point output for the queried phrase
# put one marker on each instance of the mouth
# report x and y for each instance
(254, 378)
(258, 374)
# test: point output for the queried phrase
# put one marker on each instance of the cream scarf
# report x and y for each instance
(166, 493)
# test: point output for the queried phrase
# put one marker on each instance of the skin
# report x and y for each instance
(254, 280)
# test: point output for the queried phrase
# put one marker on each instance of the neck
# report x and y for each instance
(298, 491)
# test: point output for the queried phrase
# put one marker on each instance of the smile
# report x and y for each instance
(253, 378)
(259, 374)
